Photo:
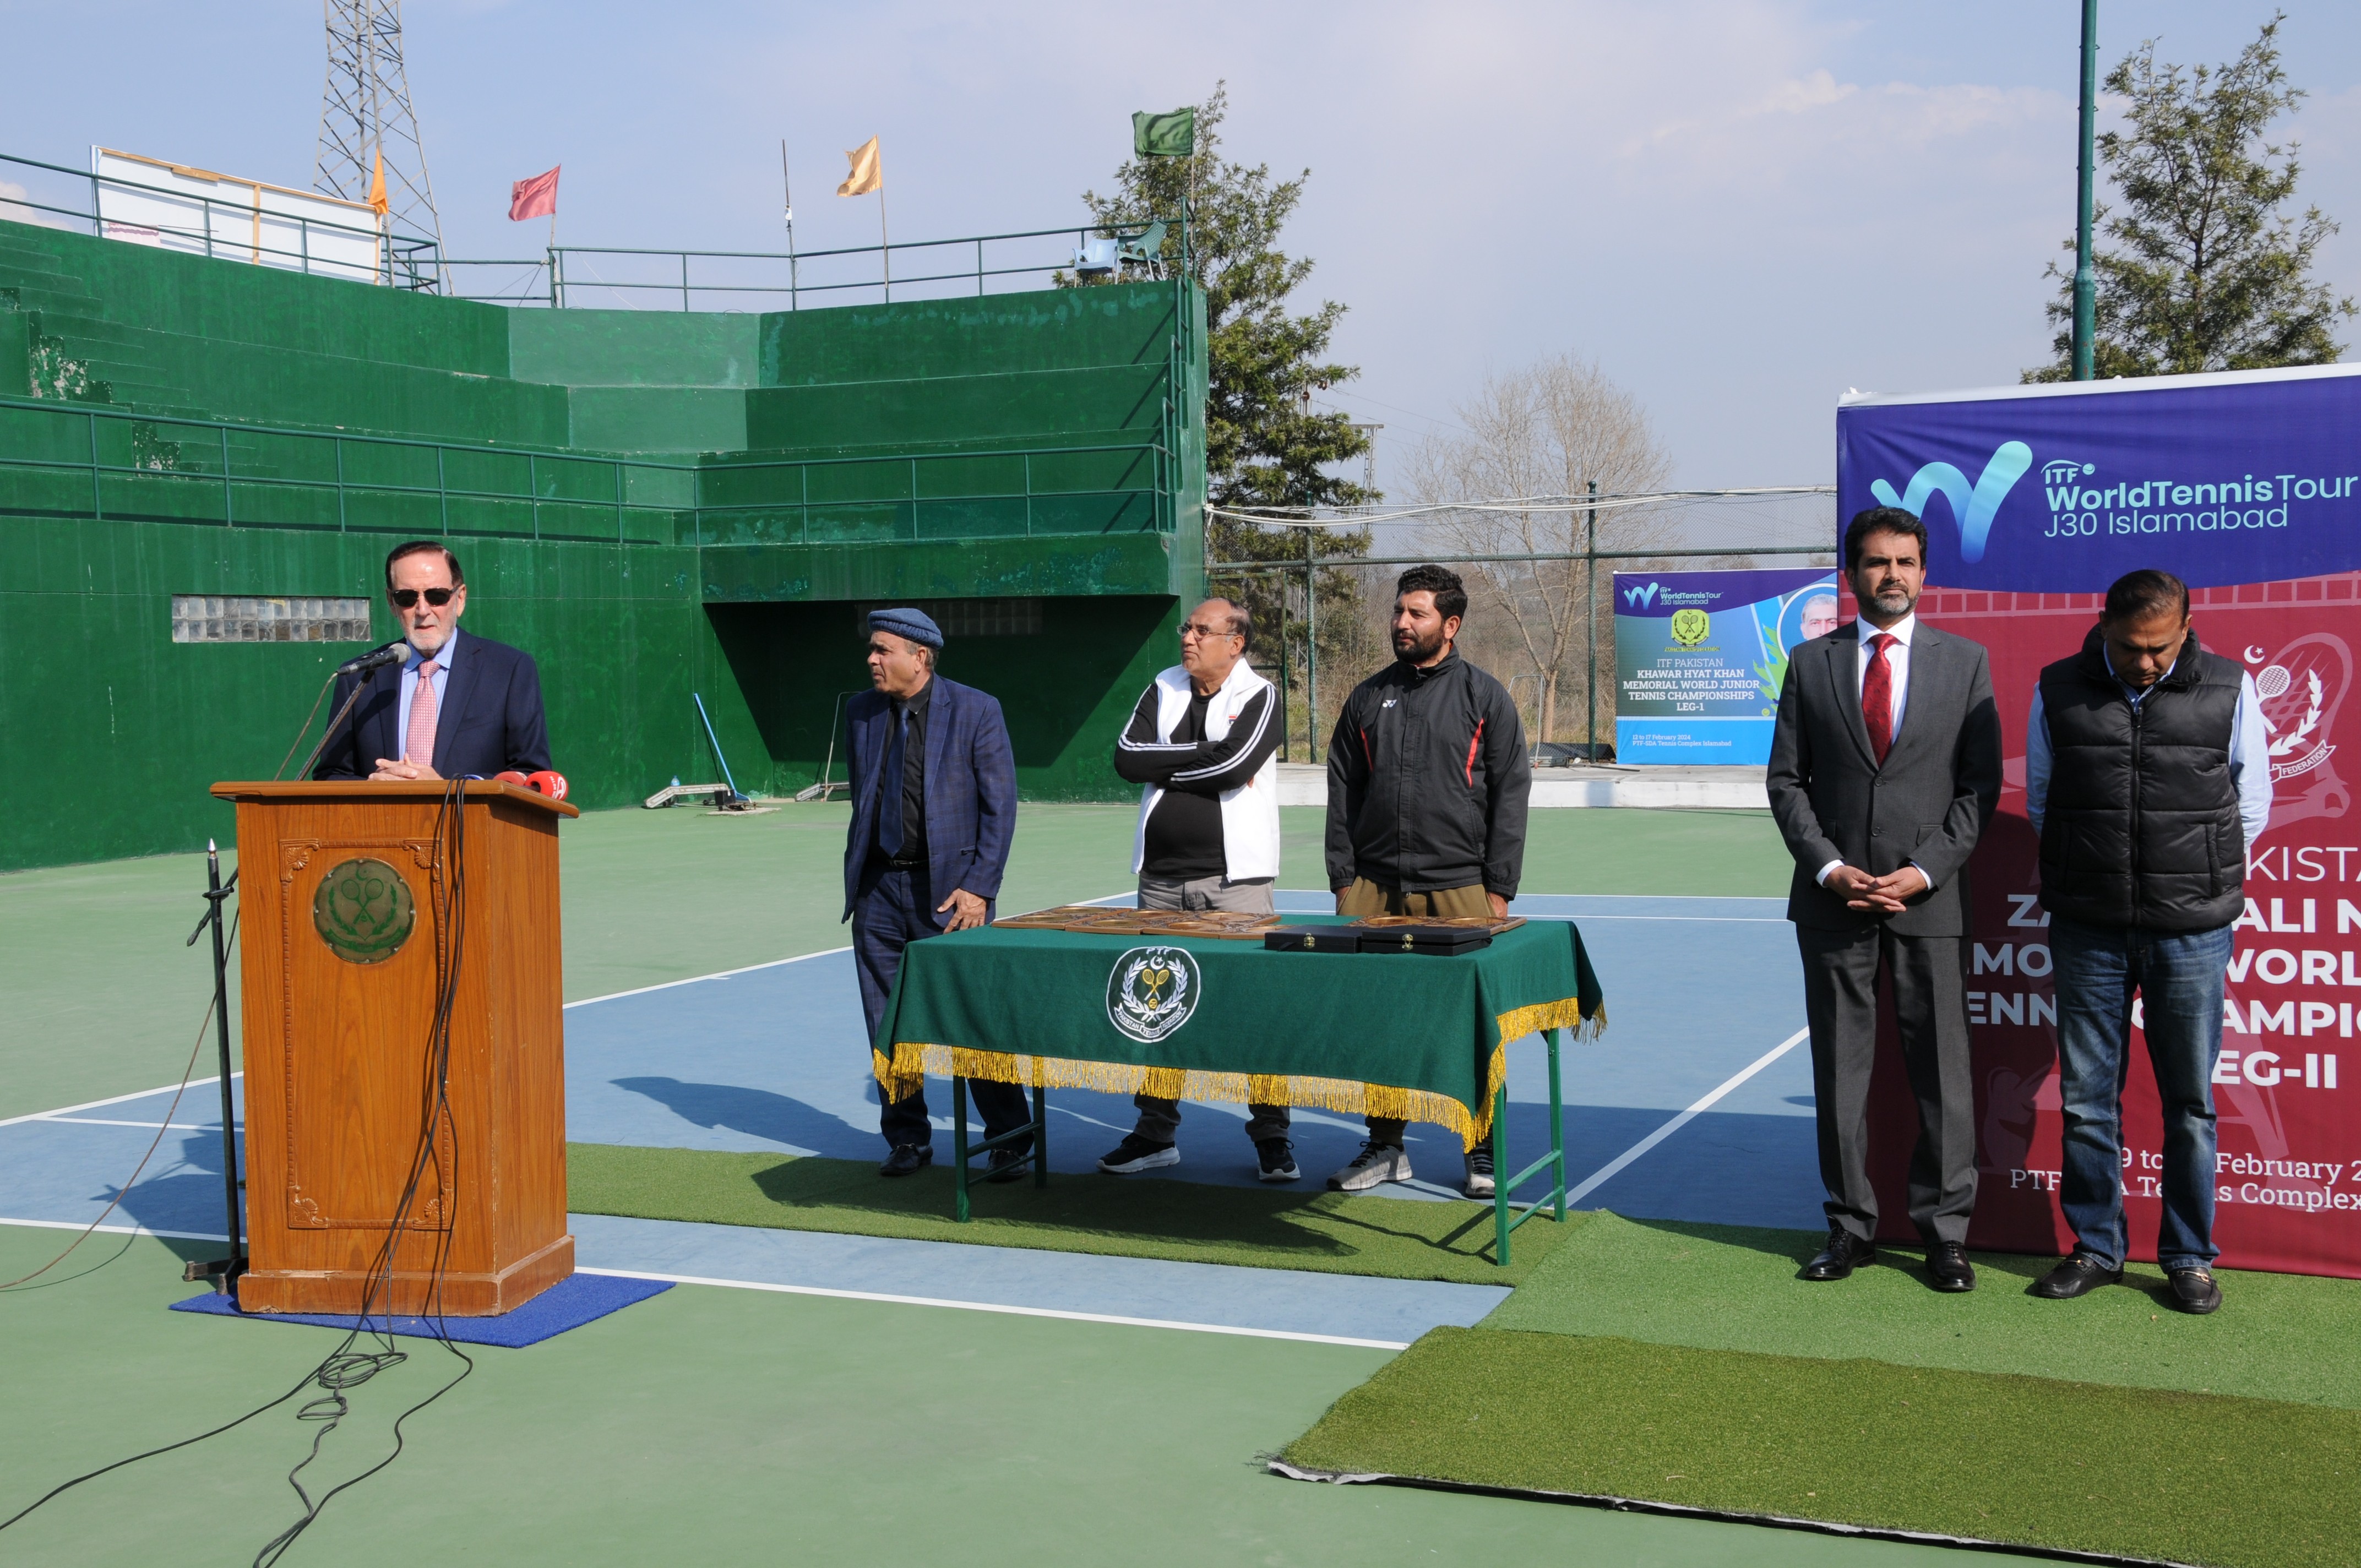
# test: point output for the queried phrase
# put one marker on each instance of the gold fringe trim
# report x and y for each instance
(901, 1076)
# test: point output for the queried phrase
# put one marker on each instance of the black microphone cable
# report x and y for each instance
(344, 1368)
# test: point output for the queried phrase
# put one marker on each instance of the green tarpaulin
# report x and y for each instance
(1410, 1035)
(1169, 135)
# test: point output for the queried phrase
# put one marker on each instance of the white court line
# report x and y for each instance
(1721, 919)
(113, 1229)
(821, 1291)
(696, 978)
(1013, 1312)
(168, 1126)
(1683, 1119)
(723, 974)
(117, 1099)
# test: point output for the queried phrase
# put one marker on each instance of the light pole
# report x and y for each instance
(2086, 285)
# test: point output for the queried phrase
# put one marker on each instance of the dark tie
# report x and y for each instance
(889, 807)
(1876, 697)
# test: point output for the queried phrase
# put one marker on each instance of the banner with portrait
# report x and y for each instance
(2248, 486)
(1699, 657)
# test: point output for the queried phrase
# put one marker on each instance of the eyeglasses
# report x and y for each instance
(407, 599)
(1198, 629)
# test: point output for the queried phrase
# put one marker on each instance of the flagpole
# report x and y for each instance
(885, 244)
(787, 190)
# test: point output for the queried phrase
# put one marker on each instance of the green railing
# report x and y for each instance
(92, 460)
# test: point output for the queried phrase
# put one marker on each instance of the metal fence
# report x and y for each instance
(1539, 572)
(65, 459)
(51, 195)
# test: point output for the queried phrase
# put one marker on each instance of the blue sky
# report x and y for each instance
(1739, 207)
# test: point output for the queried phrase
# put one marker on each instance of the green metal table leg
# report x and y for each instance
(1557, 1121)
(1500, 1168)
(959, 1149)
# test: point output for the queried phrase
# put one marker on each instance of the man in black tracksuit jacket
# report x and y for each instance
(1427, 782)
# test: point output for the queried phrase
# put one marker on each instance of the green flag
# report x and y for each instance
(1172, 135)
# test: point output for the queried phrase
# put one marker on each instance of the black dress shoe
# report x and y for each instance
(2193, 1290)
(1009, 1164)
(906, 1158)
(2077, 1275)
(1844, 1253)
(1947, 1266)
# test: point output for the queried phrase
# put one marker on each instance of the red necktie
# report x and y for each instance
(1877, 697)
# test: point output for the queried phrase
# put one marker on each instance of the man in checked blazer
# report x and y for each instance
(934, 807)
(1886, 765)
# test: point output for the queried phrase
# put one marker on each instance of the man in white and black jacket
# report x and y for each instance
(1203, 742)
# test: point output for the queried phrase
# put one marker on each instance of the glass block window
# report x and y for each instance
(964, 617)
(222, 618)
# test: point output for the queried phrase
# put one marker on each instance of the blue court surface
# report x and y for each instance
(1694, 1105)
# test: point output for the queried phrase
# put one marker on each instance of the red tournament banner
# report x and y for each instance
(2125, 481)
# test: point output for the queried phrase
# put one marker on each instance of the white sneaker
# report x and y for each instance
(1479, 1172)
(1375, 1164)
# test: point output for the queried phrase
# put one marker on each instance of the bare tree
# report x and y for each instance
(1550, 430)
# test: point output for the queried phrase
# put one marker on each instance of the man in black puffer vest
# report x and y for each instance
(2147, 774)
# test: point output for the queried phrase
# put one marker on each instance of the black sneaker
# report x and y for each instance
(1009, 1164)
(906, 1158)
(2193, 1290)
(1137, 1153)
(1277, 1158)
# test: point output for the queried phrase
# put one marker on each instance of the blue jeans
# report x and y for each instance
(2179, 977)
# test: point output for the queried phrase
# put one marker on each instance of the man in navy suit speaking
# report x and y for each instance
(934, 806)
(456, 708)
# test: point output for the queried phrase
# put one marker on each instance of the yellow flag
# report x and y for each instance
(868, 173)
(378, 204)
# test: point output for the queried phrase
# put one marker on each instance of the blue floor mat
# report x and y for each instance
(568, 1304)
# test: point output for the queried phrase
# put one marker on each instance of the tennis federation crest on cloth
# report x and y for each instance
(363, 910)
(1152, 991)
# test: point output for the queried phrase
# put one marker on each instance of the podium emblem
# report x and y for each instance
(364, 911)
(1152, 991)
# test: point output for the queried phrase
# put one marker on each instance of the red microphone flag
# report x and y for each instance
(535, 198)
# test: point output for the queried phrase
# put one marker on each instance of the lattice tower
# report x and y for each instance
(364, 109)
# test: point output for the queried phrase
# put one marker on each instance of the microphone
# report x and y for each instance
(376, 659)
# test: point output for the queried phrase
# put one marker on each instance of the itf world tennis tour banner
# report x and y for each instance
(2246, 484)
(1699, 657)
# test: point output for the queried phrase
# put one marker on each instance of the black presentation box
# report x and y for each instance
(1312, 940)
(1442, 940)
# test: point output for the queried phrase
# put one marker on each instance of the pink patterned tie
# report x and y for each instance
(419, 747)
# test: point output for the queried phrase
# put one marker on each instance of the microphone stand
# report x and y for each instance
(224, 1269)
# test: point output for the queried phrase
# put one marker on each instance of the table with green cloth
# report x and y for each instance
(1416, 1037)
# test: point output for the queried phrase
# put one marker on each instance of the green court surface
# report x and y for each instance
(2142, 1473)
(719, 1426)
(105, 999)
(1330, 1232)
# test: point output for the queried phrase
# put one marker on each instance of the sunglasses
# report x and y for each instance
(407, 599)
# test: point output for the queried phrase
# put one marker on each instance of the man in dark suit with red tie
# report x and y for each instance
(1886, 765)
(452, 709)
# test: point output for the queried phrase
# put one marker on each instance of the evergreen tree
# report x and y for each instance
(1265, 444)
(2210, 273)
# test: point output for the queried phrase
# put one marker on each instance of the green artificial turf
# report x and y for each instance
(2137, 1472)
(1330, 1232)
(2279, 1336)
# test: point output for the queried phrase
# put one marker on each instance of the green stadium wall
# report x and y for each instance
(653, 504)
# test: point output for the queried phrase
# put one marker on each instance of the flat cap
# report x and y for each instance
(914, 625)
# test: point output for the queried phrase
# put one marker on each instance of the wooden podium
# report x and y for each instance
(346, 924)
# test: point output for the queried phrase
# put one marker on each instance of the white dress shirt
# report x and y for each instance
(1897, 662)
(441, 657)
(2250, 755)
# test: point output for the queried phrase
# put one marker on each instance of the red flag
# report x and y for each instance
(535, 198)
